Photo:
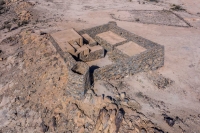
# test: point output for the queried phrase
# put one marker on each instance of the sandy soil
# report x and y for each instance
(33, 76)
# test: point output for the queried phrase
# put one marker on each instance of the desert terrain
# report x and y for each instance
(33, 75)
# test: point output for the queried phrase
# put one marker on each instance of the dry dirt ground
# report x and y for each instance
(33, 76)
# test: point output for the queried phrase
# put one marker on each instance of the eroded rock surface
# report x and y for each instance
(34, 78)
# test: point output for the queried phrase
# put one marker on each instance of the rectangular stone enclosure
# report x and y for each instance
(115, 52)
(129, 53)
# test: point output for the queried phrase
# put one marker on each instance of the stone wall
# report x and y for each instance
(95, 30)
(78, 73)
(106, 45)
(78, 80)
(69, 60)
(117, 55)
(135, 38)
(124, 65)
(151, 59)
(112, 26)
(92, 56)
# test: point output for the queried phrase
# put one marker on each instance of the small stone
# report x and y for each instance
(119, 119)
(137, 19)
(126, 100)
(88, 98)
(18, 123)
(108, 99)
(117, 96)
(143, 130)
(170, 121)
(42, 33)
(130, 123)
(134, 104)
(54, 121)
(111, 106)
(81, 130)
(123, 95)
(90, 92)
(86, 130)
(137, 129)
(124, 103)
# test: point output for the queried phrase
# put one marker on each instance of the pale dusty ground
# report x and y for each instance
(131, 48)
(182, 54)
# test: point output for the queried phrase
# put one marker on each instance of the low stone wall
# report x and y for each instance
(106, 45)
(117, 55)
(95, 30)
(135, 38)
(151, 59)
(92, 56)
(78, 80)
(78, 73)
(112, 26)
(69, 60)
(147, 60)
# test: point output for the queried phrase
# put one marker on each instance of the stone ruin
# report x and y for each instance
(103, 53)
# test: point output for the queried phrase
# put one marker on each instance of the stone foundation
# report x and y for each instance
(151, 58)
(130, 54)
(148, 60)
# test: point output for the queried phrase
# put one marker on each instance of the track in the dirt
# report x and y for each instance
(158, 17)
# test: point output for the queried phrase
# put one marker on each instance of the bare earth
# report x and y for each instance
(33, 76)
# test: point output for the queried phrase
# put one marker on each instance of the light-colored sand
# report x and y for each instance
(111, 37)
(131, 48)
(100, 62)
(67, 36)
